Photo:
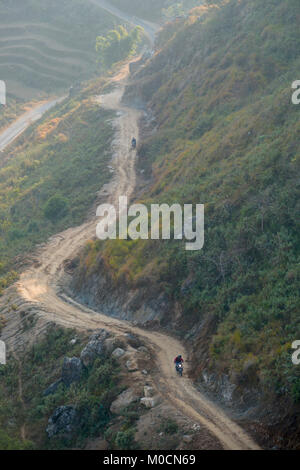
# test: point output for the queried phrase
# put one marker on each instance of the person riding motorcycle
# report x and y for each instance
(178, 360)
(133, 143)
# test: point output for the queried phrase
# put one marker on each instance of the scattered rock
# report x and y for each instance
(52, 388)
(187, 439)
(119, 352)
(196, 427)
(94, 348)
(144, 372)
(123, 400)
(73, 341)
(131, 365)
(148, 392)
(71, 370)
(100, 335)
(63, 422)
(150, 402)
(143, 349)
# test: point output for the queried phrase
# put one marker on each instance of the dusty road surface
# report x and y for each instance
(41, 288)
(19, 126)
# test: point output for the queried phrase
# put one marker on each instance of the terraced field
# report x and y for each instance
(45, 47)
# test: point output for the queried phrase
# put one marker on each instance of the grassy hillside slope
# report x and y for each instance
(38, 368)
(227, 135)
(48, 46)
(50, 176)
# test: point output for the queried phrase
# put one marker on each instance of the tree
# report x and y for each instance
(117, 45)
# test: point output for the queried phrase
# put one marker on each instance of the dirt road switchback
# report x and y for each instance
(41, 287)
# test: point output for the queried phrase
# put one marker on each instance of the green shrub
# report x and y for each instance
(125, 439)
(170, 426)
(56, 208)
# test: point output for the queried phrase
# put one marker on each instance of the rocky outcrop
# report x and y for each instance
(117, 353)
(150, 402)
(72, 370)
(63, 422)
(145, 304)
(95, 348)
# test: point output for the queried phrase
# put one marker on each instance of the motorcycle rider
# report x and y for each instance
(178, 360)
(133, 142)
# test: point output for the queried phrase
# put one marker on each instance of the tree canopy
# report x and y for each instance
(118, 44)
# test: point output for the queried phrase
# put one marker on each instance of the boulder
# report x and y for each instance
(196, 427)
(72, 370)
(63, 422)
(150, 402)
(132, 365)
(187, 439)
(119, 352)
(94, 348)
(123, 400)
(52, 388)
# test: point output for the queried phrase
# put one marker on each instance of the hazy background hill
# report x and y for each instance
(150, 10)
(156, 10)
(48, 46)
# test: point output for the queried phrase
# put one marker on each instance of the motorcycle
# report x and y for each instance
(179, 369)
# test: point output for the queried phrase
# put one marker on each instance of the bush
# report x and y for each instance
(170, 427)
(55, 208)
(125, 439)
(9, 443)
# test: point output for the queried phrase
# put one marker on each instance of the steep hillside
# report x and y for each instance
(48, 46)
(49, 177)
(221, 131)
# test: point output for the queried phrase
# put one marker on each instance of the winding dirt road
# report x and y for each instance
(41, 288)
